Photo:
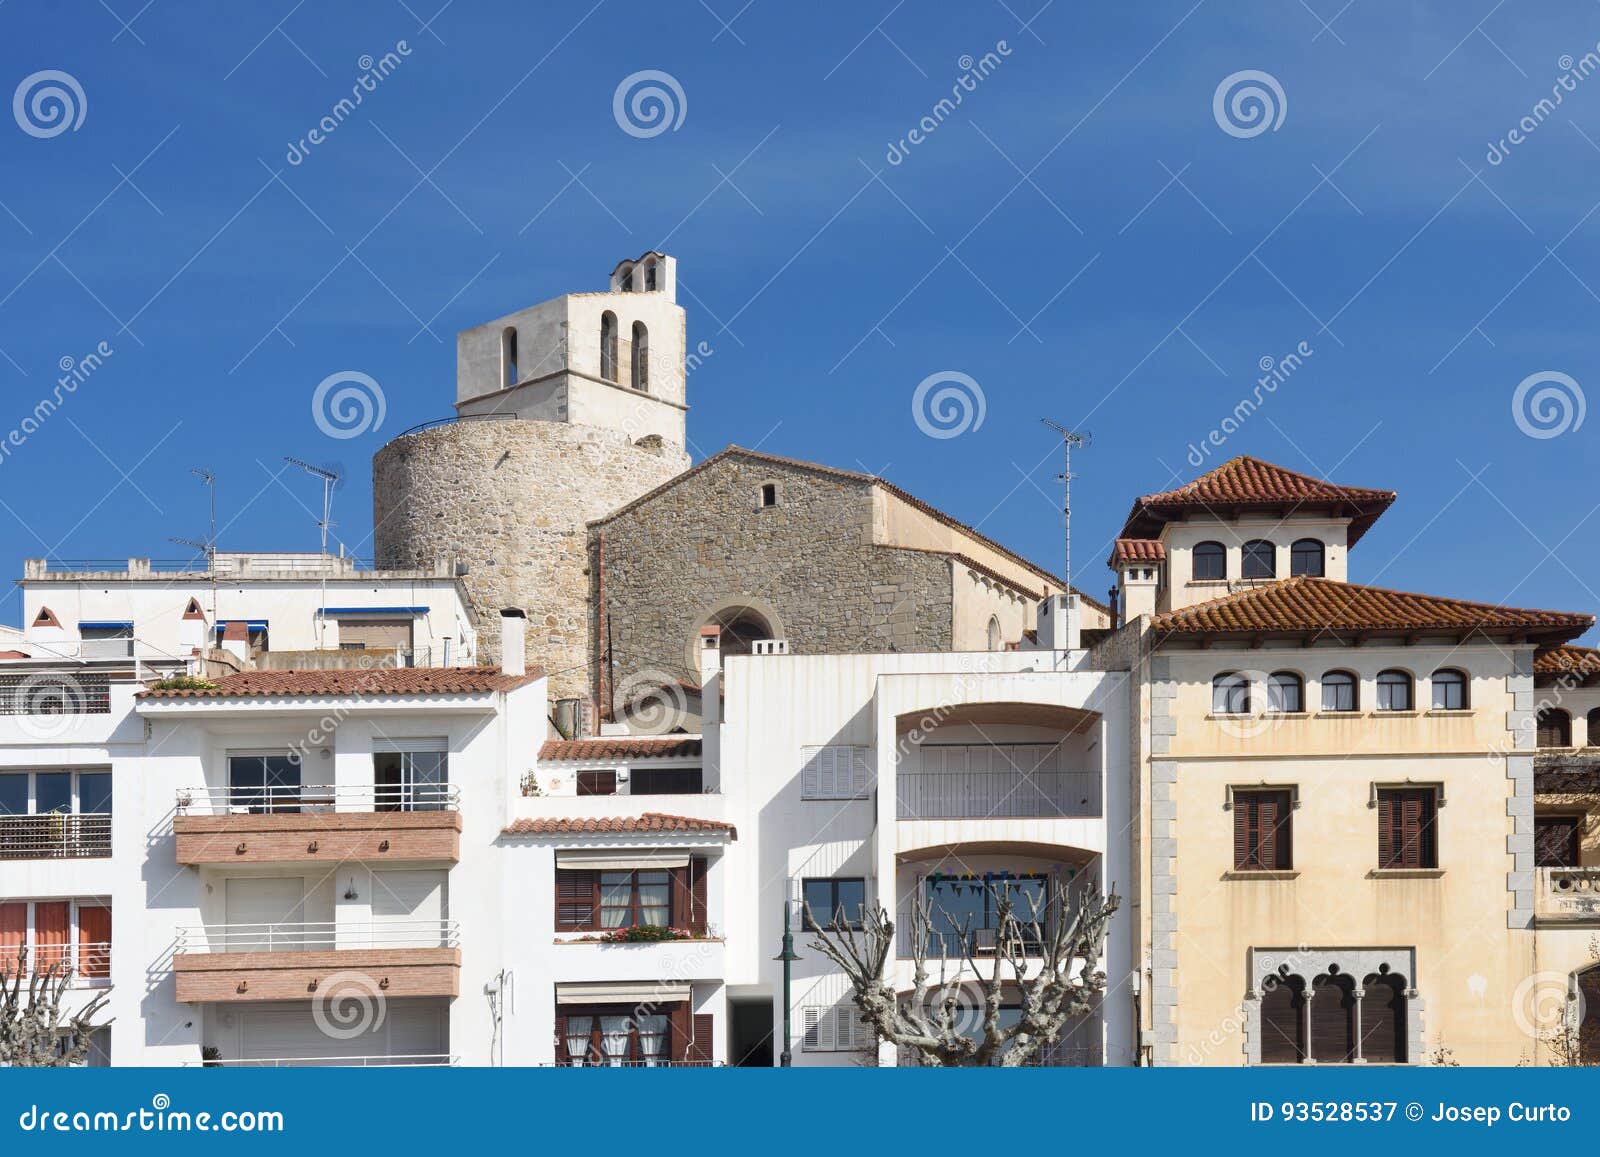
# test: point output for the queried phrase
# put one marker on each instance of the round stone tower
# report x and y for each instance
(564, 412)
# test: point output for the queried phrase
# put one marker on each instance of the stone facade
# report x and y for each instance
(807, 564)
(509, 500)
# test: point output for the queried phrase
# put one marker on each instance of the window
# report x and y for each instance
(508, 357)
(1555, 728)
(597, 783)
(1339, 691)
(605, 899)
(1449, 691)
(410, 781)
(838, 903)
(635, 899)
(608, 346)
(1407, 836)
(55, 815)
(993, 634)
(260, 784)
(833, 1029)
(665, 781)
(769, 494)
(1285, 693)
(970, 904)
(1594, 728)
(1333, 1019)
(71, 935)
(618, 1035)
(1306, 558)
(106, 640)
(641, 356)
(1557, 841)
(650, 275)
(99, 1054)
(1394, 691)
(1283, 1020)
(1263, 829)
(1382, 1014)
(1259, 560)
(1230, 694)
(836, 772)
(627, 280)
(1210, 561)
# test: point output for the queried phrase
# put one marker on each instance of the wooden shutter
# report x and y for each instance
(561, 1039)
(577, 900)
(1283, 1023)
(1556, 841)
(13, 934)
(697, 895)
(1407, 833)
(1333, 1020)
(1262, 831)
(1387, 818)
(94, 941)
(700, 1044)
(813, 1021)
(1383, 1020)
(1242, 843)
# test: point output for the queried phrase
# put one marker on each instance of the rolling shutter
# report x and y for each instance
(1283, 1023)
(1383, 1021)
(700, 1044)
(1333, 1020)
(375, 634)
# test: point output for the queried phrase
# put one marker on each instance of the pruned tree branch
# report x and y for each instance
(32, 1023)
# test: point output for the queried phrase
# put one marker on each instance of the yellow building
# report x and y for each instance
(1352, 850)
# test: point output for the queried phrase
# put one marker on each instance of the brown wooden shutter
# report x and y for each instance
(1261, 831)
(1556, 841)
(561, 1039)
(1241, 832)
(1333, 1020)
(1283, 1022)
(1386, 833)
(700, 1048)
(577, 900)
(681, 1024)
(1406, 816)
(1383, 1020)
(697, 911)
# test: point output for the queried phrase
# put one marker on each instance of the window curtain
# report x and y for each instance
(652, 1039)
(578, 1029)
(94, 942)
(655, 899)
(52, 934)
(614, 1033)
(616, 899)
(13, 934)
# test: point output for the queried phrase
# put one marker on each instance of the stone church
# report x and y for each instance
(562, 487)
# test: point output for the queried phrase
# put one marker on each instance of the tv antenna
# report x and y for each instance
(330, 479)
(1070, 440)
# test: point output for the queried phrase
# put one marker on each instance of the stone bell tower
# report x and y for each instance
(565, 411)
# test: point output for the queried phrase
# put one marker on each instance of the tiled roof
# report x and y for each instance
(616, 825)
(620, 747)
(851, 476)
(1316, 605)
(1249, 484)
(1567, 660)
(378, 681)
(1138, 550)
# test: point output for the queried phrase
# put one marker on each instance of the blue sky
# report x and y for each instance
(1081, 237)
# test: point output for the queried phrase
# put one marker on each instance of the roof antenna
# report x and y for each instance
(330, 479)
(1069, 440)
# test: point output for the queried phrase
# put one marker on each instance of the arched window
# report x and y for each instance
(1305, 557)
(1210, 561)
(608, 346)
(1283, 1020)
(994, 633)
(1260, 560)
(1449, 690)
(1285, 693)
(508, 357)
(1333, 1020)
(1594, 728)
(1230, 694)
(1383, 1019)
(1394, 691)
(1339, 691)
(627, 280)
(641, 356)
(1555, 728)
(650, 275)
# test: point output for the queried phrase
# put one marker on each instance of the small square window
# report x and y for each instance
(597, 783)
(769, 494)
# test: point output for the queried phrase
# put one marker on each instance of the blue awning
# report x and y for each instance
(250, 624)
(106, 625)
(372, 610)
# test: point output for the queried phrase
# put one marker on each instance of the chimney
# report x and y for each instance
(513, 641)
(1058, 622)
(236, 640)
(710, 677)
(1138, 582)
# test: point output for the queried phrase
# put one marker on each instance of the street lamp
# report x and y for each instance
(785, 1058)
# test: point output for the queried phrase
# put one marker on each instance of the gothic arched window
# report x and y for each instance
(608, 346)
(641, 356)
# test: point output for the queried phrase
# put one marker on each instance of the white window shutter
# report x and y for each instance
(861, 772)
(811, 1017)
(809, 787)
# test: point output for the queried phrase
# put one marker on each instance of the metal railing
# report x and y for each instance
(299, 936)
(54, 694)
(602, 1062)
(55, 836)
(982, 942)
(426, 1060)
(85, 962)
(941, 795)
(292, 799)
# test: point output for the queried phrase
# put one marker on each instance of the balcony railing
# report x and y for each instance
(1568, 895)
(86, 963)
(294, 936)
(292, 799)
(592, 1062)
(1010, 794)
(54, 694)
(55, 836)
(427, 1060)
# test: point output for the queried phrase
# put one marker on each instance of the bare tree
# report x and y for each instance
(32, 1023)
(1045, 956)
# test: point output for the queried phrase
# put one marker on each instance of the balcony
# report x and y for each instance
(304, 824)
(87, 964)
(1567, 896)
(49, 693)
(1009, 794)
(290, 960)
(55, 836)
(423, 1060)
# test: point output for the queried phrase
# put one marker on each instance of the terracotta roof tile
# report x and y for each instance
(1138, 550)
(620, 747)
(616, 825)
(1246, 484)
(1567, 660)
(1316, 605)
(377, 681)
